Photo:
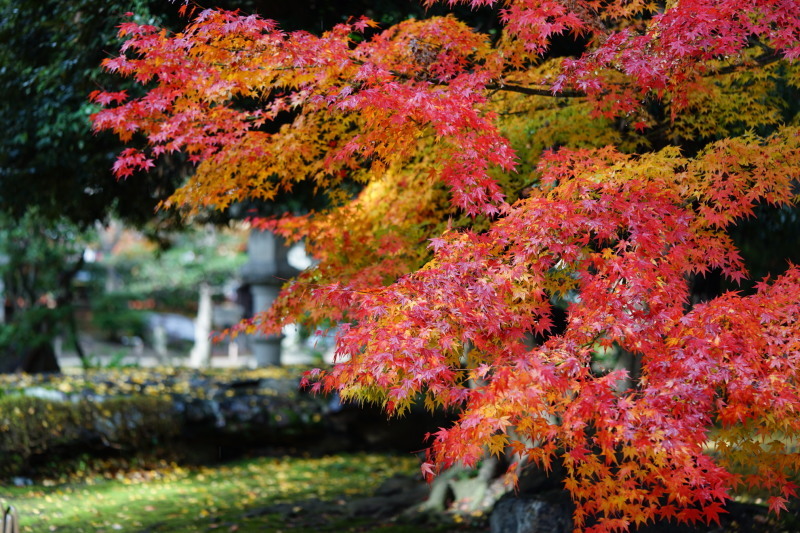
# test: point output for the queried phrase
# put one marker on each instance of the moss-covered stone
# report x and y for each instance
(184, 413)
(33, 426)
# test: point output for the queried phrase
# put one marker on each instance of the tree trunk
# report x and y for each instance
(39, 359)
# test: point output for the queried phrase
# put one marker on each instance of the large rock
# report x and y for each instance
(530, 514)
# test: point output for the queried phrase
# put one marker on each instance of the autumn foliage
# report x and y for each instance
(500, 179)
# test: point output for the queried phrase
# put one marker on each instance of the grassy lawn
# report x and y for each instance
(241, 496)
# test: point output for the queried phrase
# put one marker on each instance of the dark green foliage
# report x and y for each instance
(49, 156)
(770, 241)
(113, 318)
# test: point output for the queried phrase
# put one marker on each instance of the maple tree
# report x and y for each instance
(498, 180)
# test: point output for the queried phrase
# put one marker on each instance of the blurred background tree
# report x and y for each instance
(55, 183)
(40, 259)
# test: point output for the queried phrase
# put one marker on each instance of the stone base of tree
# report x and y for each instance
(532, 514)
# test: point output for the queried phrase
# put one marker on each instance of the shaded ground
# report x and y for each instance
(347, 493)
(386, 510)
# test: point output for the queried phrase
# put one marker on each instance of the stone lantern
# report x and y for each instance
(266, 270)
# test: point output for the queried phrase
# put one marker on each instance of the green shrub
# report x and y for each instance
(114, 319)
(30, 426)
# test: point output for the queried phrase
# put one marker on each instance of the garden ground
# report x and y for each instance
(347, 493)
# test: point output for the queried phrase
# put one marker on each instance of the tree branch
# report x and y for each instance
(534, 91)
(763, 60)
(767, 58)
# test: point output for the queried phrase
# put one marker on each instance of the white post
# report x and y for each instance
(200, 355)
